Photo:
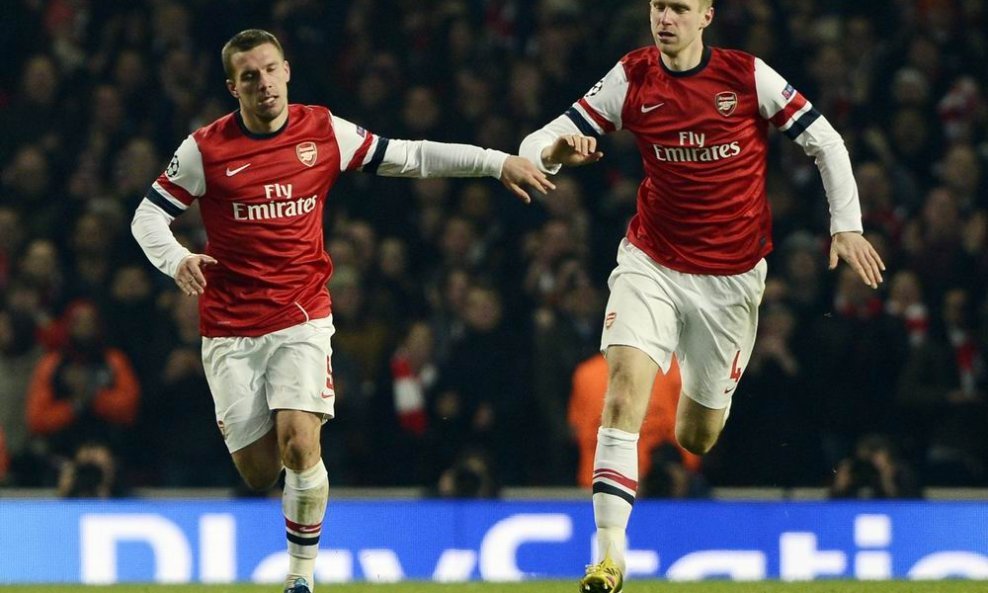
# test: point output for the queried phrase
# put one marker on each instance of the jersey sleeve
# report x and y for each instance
(793, 115)
(599, 111)
(425, 158)
(170, 195)
(785, 107)
(182, 181)
(359, 148)
(596, 113)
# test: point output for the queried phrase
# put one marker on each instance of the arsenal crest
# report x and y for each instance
(306, 152)
(726, 102)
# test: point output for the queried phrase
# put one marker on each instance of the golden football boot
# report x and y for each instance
(604, 577)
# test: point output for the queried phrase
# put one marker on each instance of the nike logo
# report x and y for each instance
(730, 390)
(647, 108)
(231, 172)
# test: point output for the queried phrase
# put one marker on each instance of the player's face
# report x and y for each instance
(677, 24)
(260, 82)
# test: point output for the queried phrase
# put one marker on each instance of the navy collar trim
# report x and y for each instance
(704, 60)
(254, 135)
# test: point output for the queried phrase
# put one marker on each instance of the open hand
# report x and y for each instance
(189, 277)
(859, 254)
(572, 150)
(518, 173)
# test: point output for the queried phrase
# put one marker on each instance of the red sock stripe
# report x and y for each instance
(303, 528)
(615, 476)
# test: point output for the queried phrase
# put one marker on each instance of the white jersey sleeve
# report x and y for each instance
(795, 116)
(597, 113)
(182, 182)
(150, 228)
(362, 150)
(357, 145)
(170, 195)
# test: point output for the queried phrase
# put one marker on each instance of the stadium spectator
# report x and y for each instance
(177, 401)
(856, 351)
(84, 389)
(874, 471)
(472, 475)
(566, 331)
(19, 354)
(669, 476)
(478, 401)
(90, 473)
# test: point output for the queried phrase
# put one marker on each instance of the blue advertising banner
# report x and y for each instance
(225, 541)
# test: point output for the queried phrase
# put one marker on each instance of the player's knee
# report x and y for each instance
(696, 441)
(299, 449)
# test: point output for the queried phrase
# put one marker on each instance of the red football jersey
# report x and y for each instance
(702, 134)
(261, 198)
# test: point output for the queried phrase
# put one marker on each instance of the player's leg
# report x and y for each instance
(640, 333)
(259, 463)
(235, 370)
(716, 344)
(300, 390)
(697, 426)
(631, 373)
(303, 501)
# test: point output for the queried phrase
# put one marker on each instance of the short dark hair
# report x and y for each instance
(246, 40)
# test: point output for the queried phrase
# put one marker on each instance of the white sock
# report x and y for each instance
(615, 483)
(303, 503)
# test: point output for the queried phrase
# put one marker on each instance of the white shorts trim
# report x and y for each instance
(708, 321)
(249, 378)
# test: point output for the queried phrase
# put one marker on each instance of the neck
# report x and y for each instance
(261, 126)
(685, 59)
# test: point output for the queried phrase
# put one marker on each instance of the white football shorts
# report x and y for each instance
(708, 321)
(284, 370)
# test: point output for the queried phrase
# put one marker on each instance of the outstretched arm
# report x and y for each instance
(364, 151)
(425, 158)
(796, 117)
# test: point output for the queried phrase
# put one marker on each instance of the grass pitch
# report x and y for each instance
(541, 587)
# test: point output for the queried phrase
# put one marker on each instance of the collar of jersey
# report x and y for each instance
(255, 136)
(704, 60)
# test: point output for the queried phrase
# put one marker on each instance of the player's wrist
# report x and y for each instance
(547, 159)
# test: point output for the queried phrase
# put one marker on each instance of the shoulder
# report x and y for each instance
(638, 62)
(734, 60)
(220, 128)
(298, 110)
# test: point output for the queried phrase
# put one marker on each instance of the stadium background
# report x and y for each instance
(488, 305)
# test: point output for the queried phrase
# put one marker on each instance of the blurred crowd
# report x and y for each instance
(466, 321)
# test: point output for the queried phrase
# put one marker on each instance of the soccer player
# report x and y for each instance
(261, 175)
(691, 270)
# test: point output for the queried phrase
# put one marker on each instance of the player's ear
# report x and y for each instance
(288, 71)
(230, 86)
(708, 16)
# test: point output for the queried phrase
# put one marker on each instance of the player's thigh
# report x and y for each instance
(299, 372)
(642, 308)
(718, 336)
(235, 371)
